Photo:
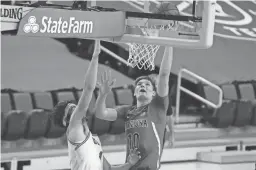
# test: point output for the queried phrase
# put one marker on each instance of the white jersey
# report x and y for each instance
(86, 155)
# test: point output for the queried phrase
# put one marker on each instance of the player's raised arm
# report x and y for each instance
(105, 87)
(164, 73)
(84, 101)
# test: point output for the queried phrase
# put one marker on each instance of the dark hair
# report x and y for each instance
(59, 112)
(149, 78)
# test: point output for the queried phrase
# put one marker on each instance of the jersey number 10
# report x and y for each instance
(133, 140)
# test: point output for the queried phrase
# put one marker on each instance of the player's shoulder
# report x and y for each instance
(158, 98)
(160, 102)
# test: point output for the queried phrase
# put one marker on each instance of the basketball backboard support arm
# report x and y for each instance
(205, 33)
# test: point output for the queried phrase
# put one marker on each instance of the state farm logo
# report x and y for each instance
(57, 25)
(233, 19)
(31, 26)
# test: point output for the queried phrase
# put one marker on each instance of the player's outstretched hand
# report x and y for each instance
(134, 156)
(106, 83)
(97, 49)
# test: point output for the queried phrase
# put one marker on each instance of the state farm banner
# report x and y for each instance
(62, 23)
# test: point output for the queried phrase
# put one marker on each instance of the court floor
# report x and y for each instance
(208, 166)
(62, 163)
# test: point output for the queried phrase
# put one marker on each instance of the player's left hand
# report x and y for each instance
(106, 84)
(134, 156)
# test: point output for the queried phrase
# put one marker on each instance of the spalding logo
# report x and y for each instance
(233, 19)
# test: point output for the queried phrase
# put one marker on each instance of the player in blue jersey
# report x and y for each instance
(85, 151)
(146, 121)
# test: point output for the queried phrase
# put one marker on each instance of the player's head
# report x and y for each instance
(62, 112)
(145, 88)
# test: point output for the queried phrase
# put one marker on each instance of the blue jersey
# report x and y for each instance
(144, 128)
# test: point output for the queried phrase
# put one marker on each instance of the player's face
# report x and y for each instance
(144, 90)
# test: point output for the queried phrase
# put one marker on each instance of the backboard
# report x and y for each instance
(122, 25)
(195, 20)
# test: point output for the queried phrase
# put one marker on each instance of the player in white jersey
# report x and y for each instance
(84, 150)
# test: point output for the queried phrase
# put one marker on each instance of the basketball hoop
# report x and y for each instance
(143, 55)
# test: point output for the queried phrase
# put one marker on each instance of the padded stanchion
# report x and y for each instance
(36, 124)
(16, 122)
(243, 113)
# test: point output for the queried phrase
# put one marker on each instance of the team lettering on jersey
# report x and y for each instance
(136, 123)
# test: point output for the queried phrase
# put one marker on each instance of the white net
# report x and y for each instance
(143, 55)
